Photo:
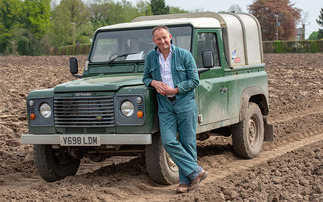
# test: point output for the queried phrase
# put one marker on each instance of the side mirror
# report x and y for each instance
(74, 69)
(207, 58)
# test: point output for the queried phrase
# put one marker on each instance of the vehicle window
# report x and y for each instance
(207, 41)
(104, 49)
(181, 37)
(109, 44)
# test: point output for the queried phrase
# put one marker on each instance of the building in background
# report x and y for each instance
(300, 33)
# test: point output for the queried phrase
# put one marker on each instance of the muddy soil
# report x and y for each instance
(288, 169)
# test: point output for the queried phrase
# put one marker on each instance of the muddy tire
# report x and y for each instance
(248, 134)
(54, 164)
(160, 166)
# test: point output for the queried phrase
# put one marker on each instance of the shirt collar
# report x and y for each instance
(158, 52)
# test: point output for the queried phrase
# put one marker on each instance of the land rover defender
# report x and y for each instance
(108, 111)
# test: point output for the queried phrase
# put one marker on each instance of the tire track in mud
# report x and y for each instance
(304, 111)
(217, 174)
(144, 192)
(244, 164)
(289, 126)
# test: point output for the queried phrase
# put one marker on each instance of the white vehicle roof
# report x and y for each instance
(241, 32)
(196, 22)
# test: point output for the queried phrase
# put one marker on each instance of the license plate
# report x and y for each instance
(74, 140)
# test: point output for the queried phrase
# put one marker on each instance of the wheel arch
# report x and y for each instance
(256, 95)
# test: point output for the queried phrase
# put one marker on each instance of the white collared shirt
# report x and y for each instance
(165, 68)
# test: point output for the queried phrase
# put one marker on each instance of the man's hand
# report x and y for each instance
(170, 91)
(158, 85)
(163, 89)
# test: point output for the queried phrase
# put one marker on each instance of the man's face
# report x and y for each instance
(162, 39)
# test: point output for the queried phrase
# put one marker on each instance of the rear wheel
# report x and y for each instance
(54, 164)
(160, 166)
(248, 134)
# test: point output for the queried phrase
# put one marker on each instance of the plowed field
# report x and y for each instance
(288, 169)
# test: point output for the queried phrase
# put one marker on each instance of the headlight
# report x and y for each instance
(127, 108)
(45, 110)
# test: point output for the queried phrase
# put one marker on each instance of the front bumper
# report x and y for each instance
(106, 139)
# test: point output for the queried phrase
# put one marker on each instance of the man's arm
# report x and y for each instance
(192, 74)
(147, 79)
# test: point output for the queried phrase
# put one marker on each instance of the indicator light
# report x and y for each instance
(32, 116)
(140, 114)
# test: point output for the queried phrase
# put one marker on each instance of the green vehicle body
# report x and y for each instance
(224, 92)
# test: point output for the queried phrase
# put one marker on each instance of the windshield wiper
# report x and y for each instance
(119, 56)
(130, 56)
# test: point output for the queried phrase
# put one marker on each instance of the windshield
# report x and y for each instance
(133, 44)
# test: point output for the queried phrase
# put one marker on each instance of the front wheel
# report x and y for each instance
(54, 164)
(161, 168)
(248, 134)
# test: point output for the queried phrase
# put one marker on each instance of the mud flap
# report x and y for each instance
(269, 132)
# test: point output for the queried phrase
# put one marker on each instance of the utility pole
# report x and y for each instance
(303, 32)
(73, 23)
(277, 25)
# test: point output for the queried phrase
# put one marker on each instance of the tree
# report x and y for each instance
(28, 44)
(275, 14)
(235, 8)
(10, 12)
(70, 14)
(313, 36)
(304, 18)
(121, 12)
(61, 27)
(144, 8)
(79, 13)
(158, 7)
(35, 24)
(108, 12)
(174, 10)
(320, 22)
(36, 17)
(23, 24)
(99, 12)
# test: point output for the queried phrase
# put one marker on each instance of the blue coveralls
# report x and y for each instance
(179, 116)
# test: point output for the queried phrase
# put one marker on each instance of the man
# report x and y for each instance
(172, 72)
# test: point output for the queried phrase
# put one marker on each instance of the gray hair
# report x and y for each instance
(160, 27)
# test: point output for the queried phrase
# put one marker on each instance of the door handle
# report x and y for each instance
(223, 90)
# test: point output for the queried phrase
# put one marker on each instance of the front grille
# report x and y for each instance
(84, 111)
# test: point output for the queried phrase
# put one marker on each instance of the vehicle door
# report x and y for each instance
(212, 95)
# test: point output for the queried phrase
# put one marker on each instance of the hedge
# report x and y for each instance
(79, 49)
(307, 46)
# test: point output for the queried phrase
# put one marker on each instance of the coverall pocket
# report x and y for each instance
(181, 71)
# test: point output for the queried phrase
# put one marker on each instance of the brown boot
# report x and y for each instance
(182, 188)
(196, 182)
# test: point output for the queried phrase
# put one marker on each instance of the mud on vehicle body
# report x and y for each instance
(109, 112)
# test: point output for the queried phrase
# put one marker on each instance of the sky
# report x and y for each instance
(312, 7)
